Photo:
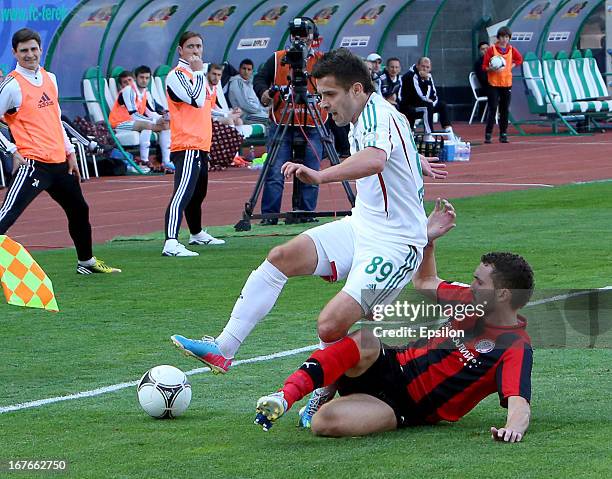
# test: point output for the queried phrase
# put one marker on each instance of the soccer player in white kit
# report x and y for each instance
(377, 249)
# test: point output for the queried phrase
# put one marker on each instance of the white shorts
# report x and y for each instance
(375, 271)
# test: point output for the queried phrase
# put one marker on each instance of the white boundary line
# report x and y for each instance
(153, 183)
(446, 183)
(256, 359)
(118, 387)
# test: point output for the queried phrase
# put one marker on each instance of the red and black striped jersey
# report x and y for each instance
(448, 376)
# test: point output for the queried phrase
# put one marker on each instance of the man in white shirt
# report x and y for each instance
(221, 111)
(135, 110)
(376, 250)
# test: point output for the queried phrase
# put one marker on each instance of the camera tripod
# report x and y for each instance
(294, 95)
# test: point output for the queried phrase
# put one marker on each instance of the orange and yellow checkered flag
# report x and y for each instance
(23, 281)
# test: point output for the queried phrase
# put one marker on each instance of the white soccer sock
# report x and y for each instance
(258, 296)
(145, 143)
(170, 244)
(164, 145)
(90, 262)
(323, 344)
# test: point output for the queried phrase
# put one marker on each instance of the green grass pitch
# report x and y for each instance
(112, 328)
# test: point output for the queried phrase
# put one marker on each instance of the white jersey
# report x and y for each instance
(390, 204)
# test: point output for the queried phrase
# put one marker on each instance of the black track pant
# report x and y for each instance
(190, 186)
(498, 96)
(33, 178)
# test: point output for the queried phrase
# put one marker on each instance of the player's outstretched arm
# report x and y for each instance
(367, 162)
(440, 221)
(517, 423)
(433, 168)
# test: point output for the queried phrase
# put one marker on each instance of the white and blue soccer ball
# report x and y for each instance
(164, 392)
(497, 63)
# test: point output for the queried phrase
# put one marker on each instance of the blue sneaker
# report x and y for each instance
(318, 397)
(269, 409)
(206, 350)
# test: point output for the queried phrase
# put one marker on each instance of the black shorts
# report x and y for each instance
(386, 381)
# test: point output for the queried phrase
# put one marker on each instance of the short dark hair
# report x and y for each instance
(25, 35)
(247, 61)
(346, 67)
(187, 35)
(142, 69)
(215, 66)
(124, 74)
(482, 43)
(504, 32)
(513, 272)
(392, 59)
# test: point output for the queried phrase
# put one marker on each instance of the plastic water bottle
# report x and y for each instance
(251, 154)
(461, 152)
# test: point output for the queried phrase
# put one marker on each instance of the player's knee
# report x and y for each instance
(283, 258)
(278, 257)
(326, 422)
(328, 329)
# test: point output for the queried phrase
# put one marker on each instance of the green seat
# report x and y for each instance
(575, 84)
(556, 82)
(590, 79)
(94, 96)
(532, 73)
(259, 130)
(113, 83)
(158, 85)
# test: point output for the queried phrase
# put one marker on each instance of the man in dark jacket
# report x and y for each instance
(419, 91)
(480, 73)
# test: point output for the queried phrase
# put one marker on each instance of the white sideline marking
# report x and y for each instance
(446, 183)
(565, 296)
(167, 183)
(256, 359)
(249, 181)
(117, 387)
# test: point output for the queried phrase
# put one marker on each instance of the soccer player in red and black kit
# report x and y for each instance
(430, 380)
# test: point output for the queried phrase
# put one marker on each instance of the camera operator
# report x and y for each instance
(301, 143)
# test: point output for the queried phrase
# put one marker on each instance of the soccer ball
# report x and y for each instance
(497, 62)
(164, 392)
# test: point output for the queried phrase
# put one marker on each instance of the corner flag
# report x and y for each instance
(23, 280)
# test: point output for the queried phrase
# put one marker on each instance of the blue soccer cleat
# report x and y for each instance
(318, 397)
(269, 409)
(205, 350)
